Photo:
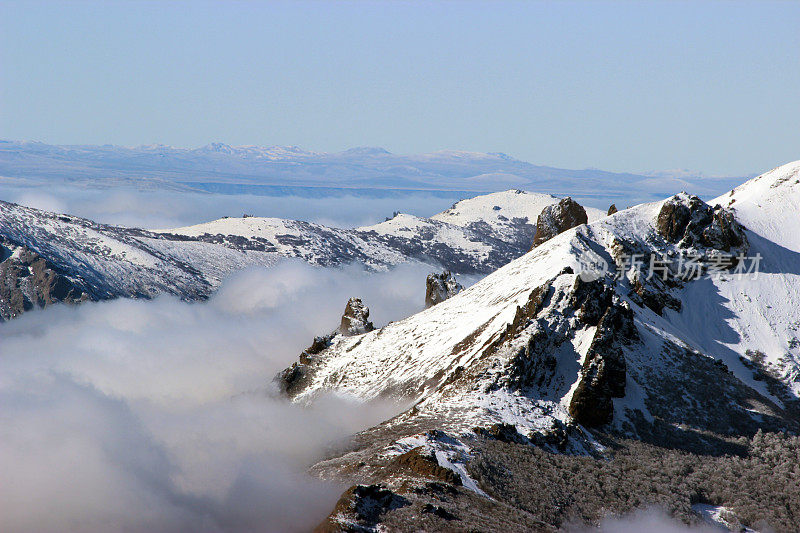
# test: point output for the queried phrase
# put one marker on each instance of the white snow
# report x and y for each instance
(450, 453)
(499, 209)
(719, 516)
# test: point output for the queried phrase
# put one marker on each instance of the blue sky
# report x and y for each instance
(620, 86)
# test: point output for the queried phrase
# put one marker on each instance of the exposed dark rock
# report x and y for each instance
(690, 222)
(360, 508)
(674, 217)
(656, 300)
(440, 287)
(355, 319)
(27, 280)
(320, 343)
(558, 218)
(441, 512)
(293, 379)
(612, 209)
(604, 370)
(590, 299)
(426, 465)
(724, 233)
(502, 432)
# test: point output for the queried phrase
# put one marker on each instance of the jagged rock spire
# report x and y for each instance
(440, 287)
(355, 319)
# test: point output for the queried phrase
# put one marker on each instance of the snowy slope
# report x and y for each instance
(769, 205)
(108, 261)
(474, 235)
(764, 313)
(501, 213)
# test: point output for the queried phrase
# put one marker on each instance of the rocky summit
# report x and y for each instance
(558, 218)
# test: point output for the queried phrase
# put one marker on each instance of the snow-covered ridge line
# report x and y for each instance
(102, 261)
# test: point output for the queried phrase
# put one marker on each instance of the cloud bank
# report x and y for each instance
(651, 520)
(160, 416)
(164, 209)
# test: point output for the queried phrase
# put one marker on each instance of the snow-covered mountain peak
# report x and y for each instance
(253, 152)
(503, 213)
(769, 205)
(246, 226)
(365, 150)
(218, 147)
(504, 206)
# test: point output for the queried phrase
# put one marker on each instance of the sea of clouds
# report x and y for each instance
(159, 209)
(161, 415)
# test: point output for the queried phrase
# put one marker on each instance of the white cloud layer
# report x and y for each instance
(163, 209)
(159, 415)
(651, 520)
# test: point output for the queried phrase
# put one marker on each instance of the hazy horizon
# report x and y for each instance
(644, 171)
(624, 87)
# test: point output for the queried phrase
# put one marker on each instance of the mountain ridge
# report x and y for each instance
(104, 261)
(551, 353)
(225, 169)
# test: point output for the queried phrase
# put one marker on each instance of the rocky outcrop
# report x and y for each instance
(603, 374)
(503, 432)
(656, 298)
(355, 319)
(28, 281)
(440, 287)
(591, 300)
(612, 209)
(688, 221)
(294, 379)
(360, 508)
(558, 218)
(424, 464)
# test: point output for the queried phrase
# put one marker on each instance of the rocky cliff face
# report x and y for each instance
(440, 287)
(603, 373)
(558, 218)
(29, 281)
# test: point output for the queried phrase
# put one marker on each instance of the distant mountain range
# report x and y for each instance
(282, 170)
